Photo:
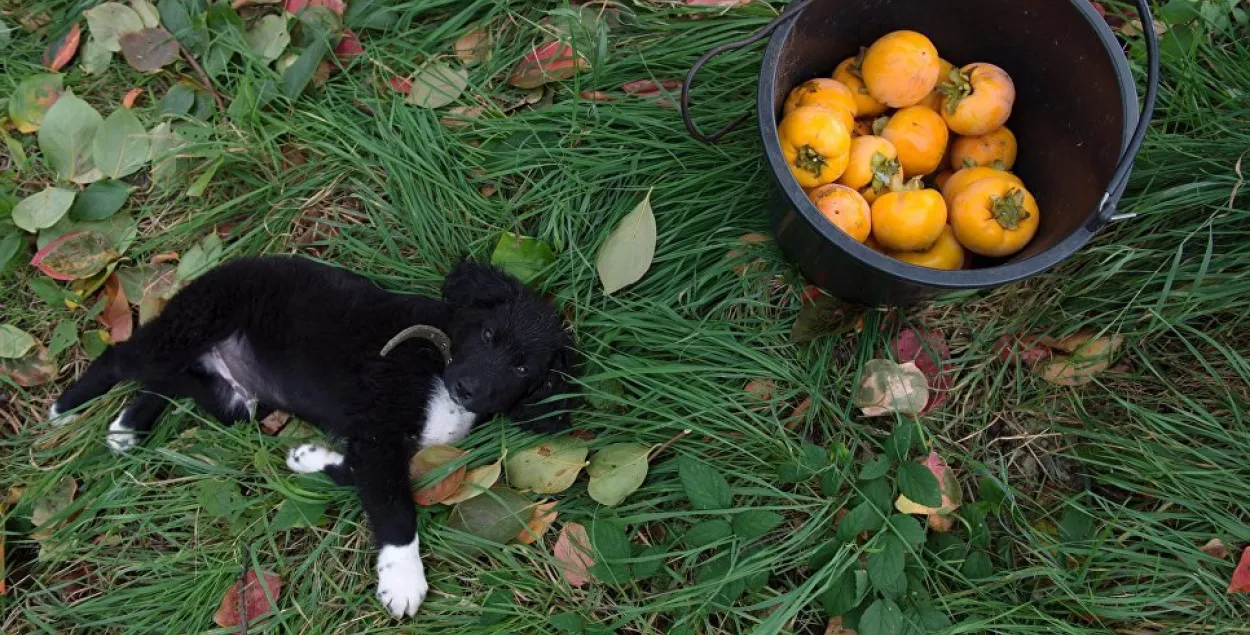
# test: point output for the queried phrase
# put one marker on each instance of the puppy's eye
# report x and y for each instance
(521, 370)
(488, 335)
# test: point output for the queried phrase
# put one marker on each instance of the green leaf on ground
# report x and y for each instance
(617, 471)
(627, 253)
(754, 523)
(121, 145)
(498, 515)
(75, 256)
(875, 468)
(218, 498)
(108, 22)
(200, 258)
(844, 593)
(437, 85)
(67, 134)
(885, 565)
(882, 617)
(95, 59)
(64, 336)
(100, 200)
(863, 517)
(522, 256)
(704, 486)
(918, 484)
(549, 467)
(269, 37)
(297, 513)
(43, 209)
(908, 529)
(14, 342)
(707, 532)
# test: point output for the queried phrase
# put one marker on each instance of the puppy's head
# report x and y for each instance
(510, 351)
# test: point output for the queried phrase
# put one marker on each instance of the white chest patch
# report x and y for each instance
(445, 421)
(215, 360)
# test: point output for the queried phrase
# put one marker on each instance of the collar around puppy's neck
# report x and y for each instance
(428, 333)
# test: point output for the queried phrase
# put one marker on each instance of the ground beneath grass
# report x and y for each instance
(1086, 509)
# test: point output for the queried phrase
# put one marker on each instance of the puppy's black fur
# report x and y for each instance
(306, 338)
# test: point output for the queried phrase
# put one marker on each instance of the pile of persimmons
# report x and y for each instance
(910, 155)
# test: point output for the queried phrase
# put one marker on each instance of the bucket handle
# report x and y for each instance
(1107, 205)
(788, 13)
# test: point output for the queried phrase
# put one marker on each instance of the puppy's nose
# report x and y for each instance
(464, 389)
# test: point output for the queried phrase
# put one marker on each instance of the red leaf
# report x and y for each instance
(254, 601)
(62, 49)
(1241, 575)
(921, 347)
(572, 552)
(116, 315)
(1102, 12)
(129, 100)
(401, 85)
(1028, 350)
(551, 62)
(640, 86)
(295, 6)
(349, 46)
(75, 256)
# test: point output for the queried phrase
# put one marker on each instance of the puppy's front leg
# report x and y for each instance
(382, 483)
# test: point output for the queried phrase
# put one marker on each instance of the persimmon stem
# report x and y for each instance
(1008, 210)
(809, 160)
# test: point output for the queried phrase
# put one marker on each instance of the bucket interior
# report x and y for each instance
(1074, 107)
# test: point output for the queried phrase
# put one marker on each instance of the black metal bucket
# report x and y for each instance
(1075, 117)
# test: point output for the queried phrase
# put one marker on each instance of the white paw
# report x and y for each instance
(310, 458)
(401, 579)
(121, 438)
(58, 418)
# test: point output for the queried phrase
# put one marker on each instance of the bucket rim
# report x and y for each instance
(968, 279)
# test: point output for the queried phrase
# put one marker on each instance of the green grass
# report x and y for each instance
(1111, 488)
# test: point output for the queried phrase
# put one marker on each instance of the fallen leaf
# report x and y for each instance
(150, 286)
(201, 257)
(100, 201)
(595, 95)
(760, 389)
(617, 471)
(541, 517)
(349, 46)
(817, 318)
(461, 116)
(269, 37)
(715, 3)
(1089, 356)
(627, 253)
(108, 22)
(43, 209)
(429, 459)
(1241, 575)
(116, 316)
(952, 497)
(643, 86)
(147, 12)
(797, 416)
(1215, 548)
(474, 46)
(550, 62)
(549, 467)
(522, 256)
(62, 49)
(50, 506)
(497, 515)
(14, 342)
(75, 256)
(1026, 350)
(95, 58)
(32, 370)
(437, 85)
(475, 482)
(254, 599)
(401, 85)
(149, 50)
(295, 6)
(931, 353)
(887, 387)
(274, 422)
(572, 554)
(32, 99)
(132, 95)
(66, 137)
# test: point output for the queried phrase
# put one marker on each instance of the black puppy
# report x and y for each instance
(283, 333)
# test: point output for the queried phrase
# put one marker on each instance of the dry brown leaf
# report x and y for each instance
(1215, 548)
(274, 422)
(474, 46)
(542, 516)
(254, 601)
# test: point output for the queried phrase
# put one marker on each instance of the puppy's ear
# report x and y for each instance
(536, 410)
(475, 285)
